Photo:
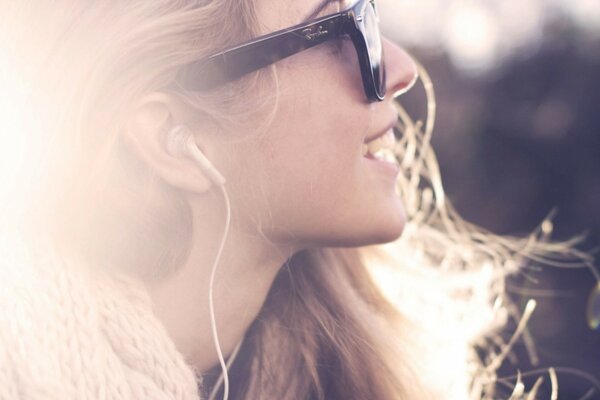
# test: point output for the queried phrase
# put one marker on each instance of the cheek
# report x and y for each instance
(310, 164)
(305, 175)
(320, 124)
(322, 111)
(318, 159)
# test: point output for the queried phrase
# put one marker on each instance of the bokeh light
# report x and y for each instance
(480, 36)
(593, 309)
(472, 36)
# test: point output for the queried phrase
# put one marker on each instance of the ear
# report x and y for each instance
(145, 133)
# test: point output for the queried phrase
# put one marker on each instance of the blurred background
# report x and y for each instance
(518, 136)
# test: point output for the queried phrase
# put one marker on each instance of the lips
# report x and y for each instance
(389, 127)
(377, 146)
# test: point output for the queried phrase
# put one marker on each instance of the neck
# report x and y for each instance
(243, 278)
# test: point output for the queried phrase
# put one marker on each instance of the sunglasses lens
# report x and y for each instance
(375, 48)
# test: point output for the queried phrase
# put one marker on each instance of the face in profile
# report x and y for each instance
(307, 178)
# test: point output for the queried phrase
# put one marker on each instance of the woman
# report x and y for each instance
(145, 125)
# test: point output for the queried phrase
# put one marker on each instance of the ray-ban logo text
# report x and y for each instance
(314, 33)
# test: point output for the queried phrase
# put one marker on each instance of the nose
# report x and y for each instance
(400, 69)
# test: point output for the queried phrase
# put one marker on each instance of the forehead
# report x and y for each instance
(278, 14)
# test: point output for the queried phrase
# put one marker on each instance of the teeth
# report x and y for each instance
(375, 146)
(389, 140)
(382, 144)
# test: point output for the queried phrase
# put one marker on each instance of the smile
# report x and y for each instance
(380, 148)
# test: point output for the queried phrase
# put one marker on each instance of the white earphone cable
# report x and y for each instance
(179, 140)
(213, 320)
(230, 360)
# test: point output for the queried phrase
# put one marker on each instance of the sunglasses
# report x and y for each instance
(359, 22)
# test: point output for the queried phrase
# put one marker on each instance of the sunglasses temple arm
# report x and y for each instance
(232, 64)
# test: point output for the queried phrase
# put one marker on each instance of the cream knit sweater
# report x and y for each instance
(66, 334)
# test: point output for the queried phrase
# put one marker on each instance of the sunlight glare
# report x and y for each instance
(472, 36)
(16, 130)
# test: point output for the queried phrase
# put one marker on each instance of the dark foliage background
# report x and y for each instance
(515, 141)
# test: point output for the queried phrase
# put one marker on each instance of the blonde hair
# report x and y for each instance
(326, 331)
(87, 64)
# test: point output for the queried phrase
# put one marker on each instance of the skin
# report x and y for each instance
(301, 183)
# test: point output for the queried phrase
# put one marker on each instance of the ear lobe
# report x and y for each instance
(145, 134)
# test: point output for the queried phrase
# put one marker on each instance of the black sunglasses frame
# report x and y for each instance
(232, 64)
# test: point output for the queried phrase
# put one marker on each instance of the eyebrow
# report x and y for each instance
(320, 7)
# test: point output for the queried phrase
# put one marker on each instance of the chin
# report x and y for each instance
(388, 235)
(387, 226)
(361, 239)
(374, 225)
(380, 229)
(384, 233)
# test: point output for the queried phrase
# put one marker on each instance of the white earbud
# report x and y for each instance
(180, 142)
